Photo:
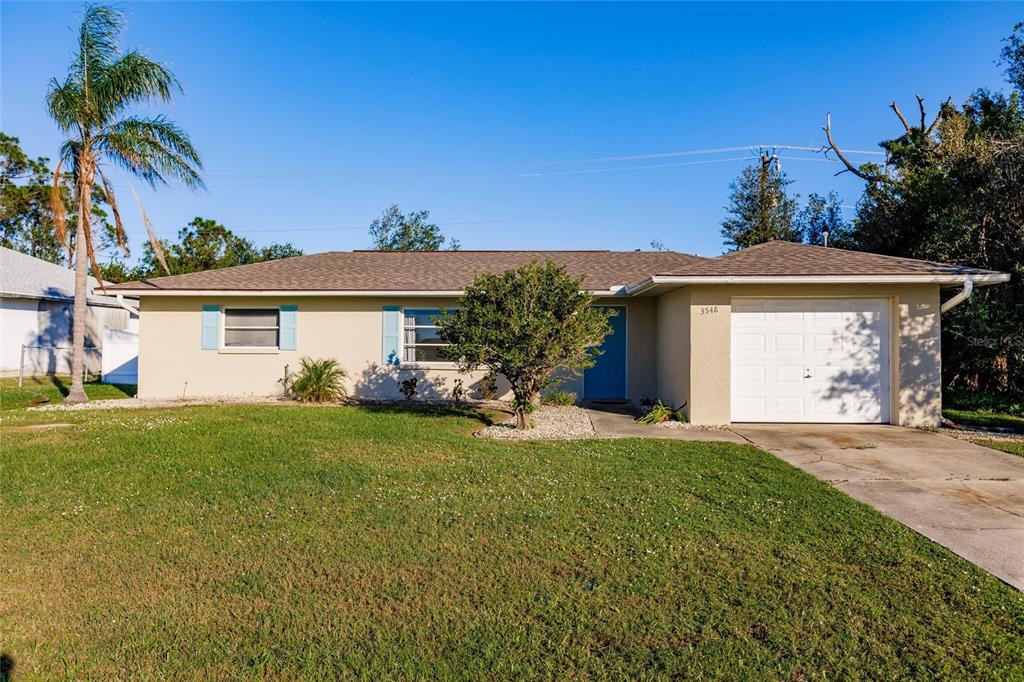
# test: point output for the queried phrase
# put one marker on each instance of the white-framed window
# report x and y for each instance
(420, 340)
(252, 327)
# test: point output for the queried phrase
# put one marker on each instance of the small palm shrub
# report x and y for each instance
(561, 398)
(319, 381)
(658, 412)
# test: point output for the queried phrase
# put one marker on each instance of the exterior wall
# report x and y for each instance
(673, 356)
(915, 356)
(47, 323)
(172, 363)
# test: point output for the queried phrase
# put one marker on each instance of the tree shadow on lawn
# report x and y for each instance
(485, 415)
(129, 390)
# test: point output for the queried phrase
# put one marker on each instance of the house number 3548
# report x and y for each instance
(708, 309)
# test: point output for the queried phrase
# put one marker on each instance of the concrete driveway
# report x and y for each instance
(965, 497)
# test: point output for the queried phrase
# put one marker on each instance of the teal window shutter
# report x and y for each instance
(392, 324)
(211, 327)
(288, 339)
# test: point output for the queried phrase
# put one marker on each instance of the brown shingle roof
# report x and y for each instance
(418, 271)
(454, 270)
(779, 258)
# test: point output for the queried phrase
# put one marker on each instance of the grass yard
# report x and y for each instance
(50, 390)
(1014, 447)
(248, 542)
(971, 409)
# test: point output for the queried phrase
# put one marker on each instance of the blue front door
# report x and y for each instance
(607, 378)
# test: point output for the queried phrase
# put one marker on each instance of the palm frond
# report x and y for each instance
(108, 193)
(65, 103)
(132, 79)
(98, 39)
(153, 149)
(57, 207)
(158, 249)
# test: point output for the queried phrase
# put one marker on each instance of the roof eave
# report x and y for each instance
(669, 282)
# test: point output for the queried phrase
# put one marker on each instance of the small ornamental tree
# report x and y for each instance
(524, 324)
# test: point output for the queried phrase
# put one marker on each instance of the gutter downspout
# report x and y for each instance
(964, 294)
(120, 302)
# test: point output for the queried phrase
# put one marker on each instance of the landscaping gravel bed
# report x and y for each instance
(549, 423)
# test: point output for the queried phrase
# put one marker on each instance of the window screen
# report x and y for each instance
(251, 327)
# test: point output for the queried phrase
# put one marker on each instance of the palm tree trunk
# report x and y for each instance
(78, 318)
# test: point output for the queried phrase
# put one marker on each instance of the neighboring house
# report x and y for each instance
(778, 332)
(36, 299)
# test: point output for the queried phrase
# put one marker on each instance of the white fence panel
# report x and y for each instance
(120, 356)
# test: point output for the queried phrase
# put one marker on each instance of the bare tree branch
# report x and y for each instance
(938, 117)
(920, 105)
(903, 119)
(870, 177)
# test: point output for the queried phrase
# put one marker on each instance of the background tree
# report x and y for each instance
(205, 244)
(952, 190)
(89, 106)
(394, 231)
(820, 215)
(26, 210)
(524, 324)
(759, 208)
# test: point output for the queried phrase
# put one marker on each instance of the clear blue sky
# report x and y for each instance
(312, 118)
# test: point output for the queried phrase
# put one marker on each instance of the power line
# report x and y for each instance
(527, 164)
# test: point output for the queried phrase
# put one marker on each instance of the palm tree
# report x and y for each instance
(89, 105)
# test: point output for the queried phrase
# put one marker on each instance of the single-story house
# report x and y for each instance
(779, 332)
(36, 300)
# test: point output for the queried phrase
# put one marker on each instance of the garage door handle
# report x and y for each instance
(808, 376)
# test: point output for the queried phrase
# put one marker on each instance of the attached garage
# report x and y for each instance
(810, 360)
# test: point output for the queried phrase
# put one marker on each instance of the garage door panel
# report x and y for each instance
(814, 360)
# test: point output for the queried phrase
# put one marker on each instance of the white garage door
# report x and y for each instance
(810, 360)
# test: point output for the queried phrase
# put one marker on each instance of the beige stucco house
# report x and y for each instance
(779, 332)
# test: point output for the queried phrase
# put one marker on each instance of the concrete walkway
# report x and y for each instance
(612, 423)
(965, 497)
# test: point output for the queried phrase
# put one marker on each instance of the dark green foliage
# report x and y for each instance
(407, 387)
(524, 324)
(823, 214)
(458, 391)
(395, 231)
(205, 244)
(1012, 57)
(26, 218)
(488, 386)
(657, 412)
(319, 381)
(956, 196)
(759, 208)
(560, 398)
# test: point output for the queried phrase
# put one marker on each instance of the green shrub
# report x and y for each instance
(408, 387)
(488, 386)
(319, 381)
(657, 412)
(561, 398)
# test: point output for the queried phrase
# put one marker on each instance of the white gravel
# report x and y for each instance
(549, 423)
(972, 434)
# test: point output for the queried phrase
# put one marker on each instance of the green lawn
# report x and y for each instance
(1014, 447)
(971, 409)
(296, 542)
(49, 390)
